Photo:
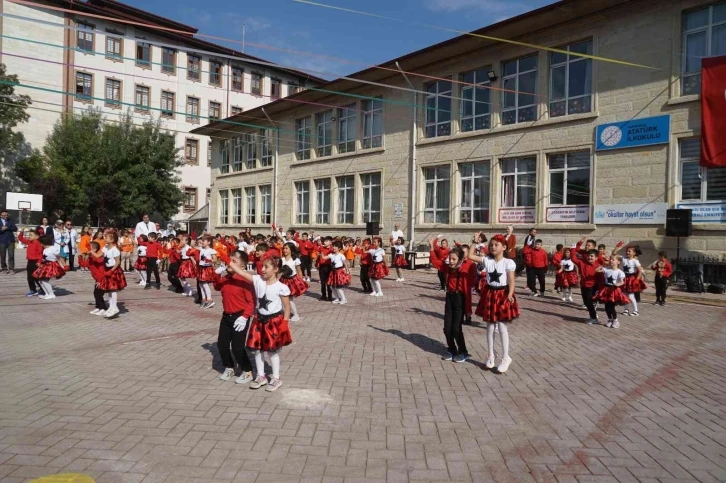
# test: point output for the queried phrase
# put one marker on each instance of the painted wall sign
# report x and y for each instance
(516, 215)
(631, 214)
(568, 214)
(633, 133)
(398, 210)
(706, 212)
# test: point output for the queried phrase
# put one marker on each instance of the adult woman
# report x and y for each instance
(43, 227)
(62, 238)
(511, 249)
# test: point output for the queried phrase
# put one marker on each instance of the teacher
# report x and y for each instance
(144, 227)
(7, 243)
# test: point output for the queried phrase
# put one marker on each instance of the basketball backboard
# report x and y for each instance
(23, 202)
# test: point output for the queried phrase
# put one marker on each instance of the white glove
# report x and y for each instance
(158, 262)
(222, 269)
(440, 235)
(240, 324)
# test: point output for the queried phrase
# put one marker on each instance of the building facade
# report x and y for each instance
(69, 62)
(499, 134)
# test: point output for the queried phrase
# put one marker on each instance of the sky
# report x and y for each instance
(363, 41)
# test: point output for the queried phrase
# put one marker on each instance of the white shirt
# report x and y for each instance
(111, 255)
(51, 254)
(141, 251)
(293, 263)
(567, 265)
(144, 228)
(337, 260)
(168, 232)
(184, 250)
(268, 296)
(243, 246)
(613, 276)
(206, 253)
(396, 234)
(400, 249)
(497, 271)
(630, 266)
(377, 254)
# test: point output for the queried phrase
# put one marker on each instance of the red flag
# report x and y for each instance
(713, 112)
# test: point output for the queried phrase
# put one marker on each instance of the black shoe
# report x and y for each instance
(179, 290)
(147, 287)
(158, 286)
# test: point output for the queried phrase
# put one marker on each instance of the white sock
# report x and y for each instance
(112, 300)
(142, 275)
(376, 286)
(259, 363)
(341, 295)
(490, 336)
(275, 364)
(504, 338)
(47, 288)
(187, 288)
(293, 309)
(398, 273)
(633, 302)
(206, 291)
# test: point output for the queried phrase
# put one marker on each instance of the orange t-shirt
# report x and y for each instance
(127, 245)
(84, 246)
(349, 254)
(101, 242)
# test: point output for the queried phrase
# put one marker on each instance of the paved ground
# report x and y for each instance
(366, 396)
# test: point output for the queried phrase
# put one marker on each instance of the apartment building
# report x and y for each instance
(498, 134)
(69, 62)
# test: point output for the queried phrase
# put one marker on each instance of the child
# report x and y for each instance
(205, 271)
(127, 249)
(84, 247)
(295, 282)
(399, 261)
(34, 254)
(587, 268)
(349, 253)
(633, 277)
(378, 268)
(98, 238)
(324, 266)
(339, 276)
(141, 260)
(174, 262)
(365, 264)
(238, 301)
(457, 285)
(164, 254)
(187, 265)
(556, 259)
(306, 248)
(50, 267)
(96, 266)
(611, 295)
(470, 268)
(663, 272)
(269, 330)
(114, 279)
(566, 275)
(439, 256)
(153, 252)
(498, 306)
(537, 269)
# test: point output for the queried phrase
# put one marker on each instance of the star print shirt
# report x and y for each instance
(293, 263)
(567, 265)
(185, 252)
(613, 277)
(337, 260)
(141, 251)
(206, 256)
(377, 254)
(111, 255)
(497, 271)
(630, 266)
(268, 296)
(51, 254)
(400, 249)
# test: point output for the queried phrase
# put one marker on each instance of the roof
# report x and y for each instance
(513, 28)
(201, 215)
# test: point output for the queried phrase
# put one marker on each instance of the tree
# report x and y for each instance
(107, 171)
(13, 146)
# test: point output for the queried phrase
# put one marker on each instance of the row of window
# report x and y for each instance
(248, 151)
(704, 35)
(144, 53)
(315, 203)
(251, 205)
(190, 199)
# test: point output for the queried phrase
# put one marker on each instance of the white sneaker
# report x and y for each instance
(94, 311)
(110, 313)
(373, 294)
(504, 365)
(101, 313)
(47, 297)
(564, 299)
(626, 312)
(294, 318)
(336, 301)
(569, 299)
(227, 375)
(244, 378)
(258, 382)
(142, 283)
(490, 361)
(343, 302)
(403, 279)
(274, 385)
(379, 294)
(210, 304)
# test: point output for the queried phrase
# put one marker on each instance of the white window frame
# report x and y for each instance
(223, 207)
(372, 109)
(238, 153)
(266, 204)
(237, 206)
(345, 186)
(215, 110)
(168, 105)
(569, 61)
(703, 173)
(193, 109)
(324, 133)
(303, 141)
(347, 128)
(84, 35)
(476, 105)
(516, 174)
(367, 186)
(114, 52)
(322, 198)
(87, 86)
(708, 29)
(516, 76)
(251, 151)
(250, 205)
(435, 182)
(566, 170)
(266, 147)
(432, 115)
(113, 86)
(302, 198)
(467, 196)
(226, 148)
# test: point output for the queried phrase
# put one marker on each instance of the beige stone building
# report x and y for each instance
(479, 134)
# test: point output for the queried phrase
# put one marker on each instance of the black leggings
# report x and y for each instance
(173, 278)
(227, 335)
(365, 279)
(534, 275)
(324, 272)
(306, 265)
(587, 300)
(33, 284)
(442, 279)
(453, 320)
(661, 286)
(98, 296)
(152, 267)
(610, 310)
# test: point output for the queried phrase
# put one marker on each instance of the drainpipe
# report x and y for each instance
(412, 166)
(275, 169)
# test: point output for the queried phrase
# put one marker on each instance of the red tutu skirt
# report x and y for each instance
(400, 261)
(114, 282)
(633, 284)
(378, 271)
(611, 294)
(269, 334)
(567, 279)
(186, 269)
(140, 264)
(205, 274)
(494, 306)
(482, 283)
(82, 262)
(296, 284)
(338, 278)
(48, 270)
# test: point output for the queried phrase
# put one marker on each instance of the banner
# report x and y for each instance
(706, 212)
(516, 215)
(633, 133)
(631, 214)
(713, 112)
(568, 214)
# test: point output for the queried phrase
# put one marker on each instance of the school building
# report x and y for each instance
(497, 134)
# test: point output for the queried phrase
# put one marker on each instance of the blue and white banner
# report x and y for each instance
(636, 132)
(706, 212)
(631, 214)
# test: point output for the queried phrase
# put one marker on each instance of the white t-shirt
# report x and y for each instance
(141, 251)
(377, 254)
(184, 251)
(337, 260)
(51, 254)
(567, 265)
(111, 255)
(613, 276)
(206, 253)
(400, 249)
(396, 234)
(630, 266)
(268, 296)
(497, 271)
(244, 246)
(293, 263)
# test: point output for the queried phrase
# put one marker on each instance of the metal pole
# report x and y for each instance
(412, 166)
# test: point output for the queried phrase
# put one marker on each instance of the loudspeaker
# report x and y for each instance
(678, 222)
(372, 228)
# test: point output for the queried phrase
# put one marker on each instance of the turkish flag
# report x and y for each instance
(713, 112)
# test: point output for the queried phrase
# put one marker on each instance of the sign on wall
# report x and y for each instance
(631, 214)
(636, 132)
(516, 215)
(706, 212)
(398, 211)
(568, 214)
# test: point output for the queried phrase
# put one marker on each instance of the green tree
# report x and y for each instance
(13, 146)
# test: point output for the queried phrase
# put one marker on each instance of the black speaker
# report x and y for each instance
(678, 222)
(372, 228)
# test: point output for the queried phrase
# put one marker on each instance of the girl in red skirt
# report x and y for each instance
(205, 271)
(378, 268)
(114, 279)
(566, 275)
(141, 259)
(634, 283)
(294, 280)
(339, 274)
(270, 328)
(498, 305)
(187, 266)
(611, 294)
(399, 260)
(50, 267)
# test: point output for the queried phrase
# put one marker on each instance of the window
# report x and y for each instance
(250, 201)
(438, 109)
(237, 206)
(475, 101)
(251, 151)
(302, 202)
(84, 86)
(191, 151)
(571, 80)
(704, 35)
(193, 71)
(371, 197)
(235, 110)
(223, 207)
(324, 122)
(275, 88)
(697, 183)
(190, 200)
(304, 133)
(256, 84)
(237, 79)
(519, 103)
(168, 104)
(346, 186)
(215, 109)
(519, 182)
(192, 109)
(238, 153)
(113, 92)
(84, 38)
(372, 124)
(437, 182)
(322, 200)
(266, 147)
(168, 60)
(475, 182)
(266, 204)
(346, 128)
(113, 48)
(143, 54)
(293, 88)
(224, 169)
(209, 157)
(569, 178)
(142, 99)
(215, 73)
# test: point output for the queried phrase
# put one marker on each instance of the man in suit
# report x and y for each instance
(7, 243)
